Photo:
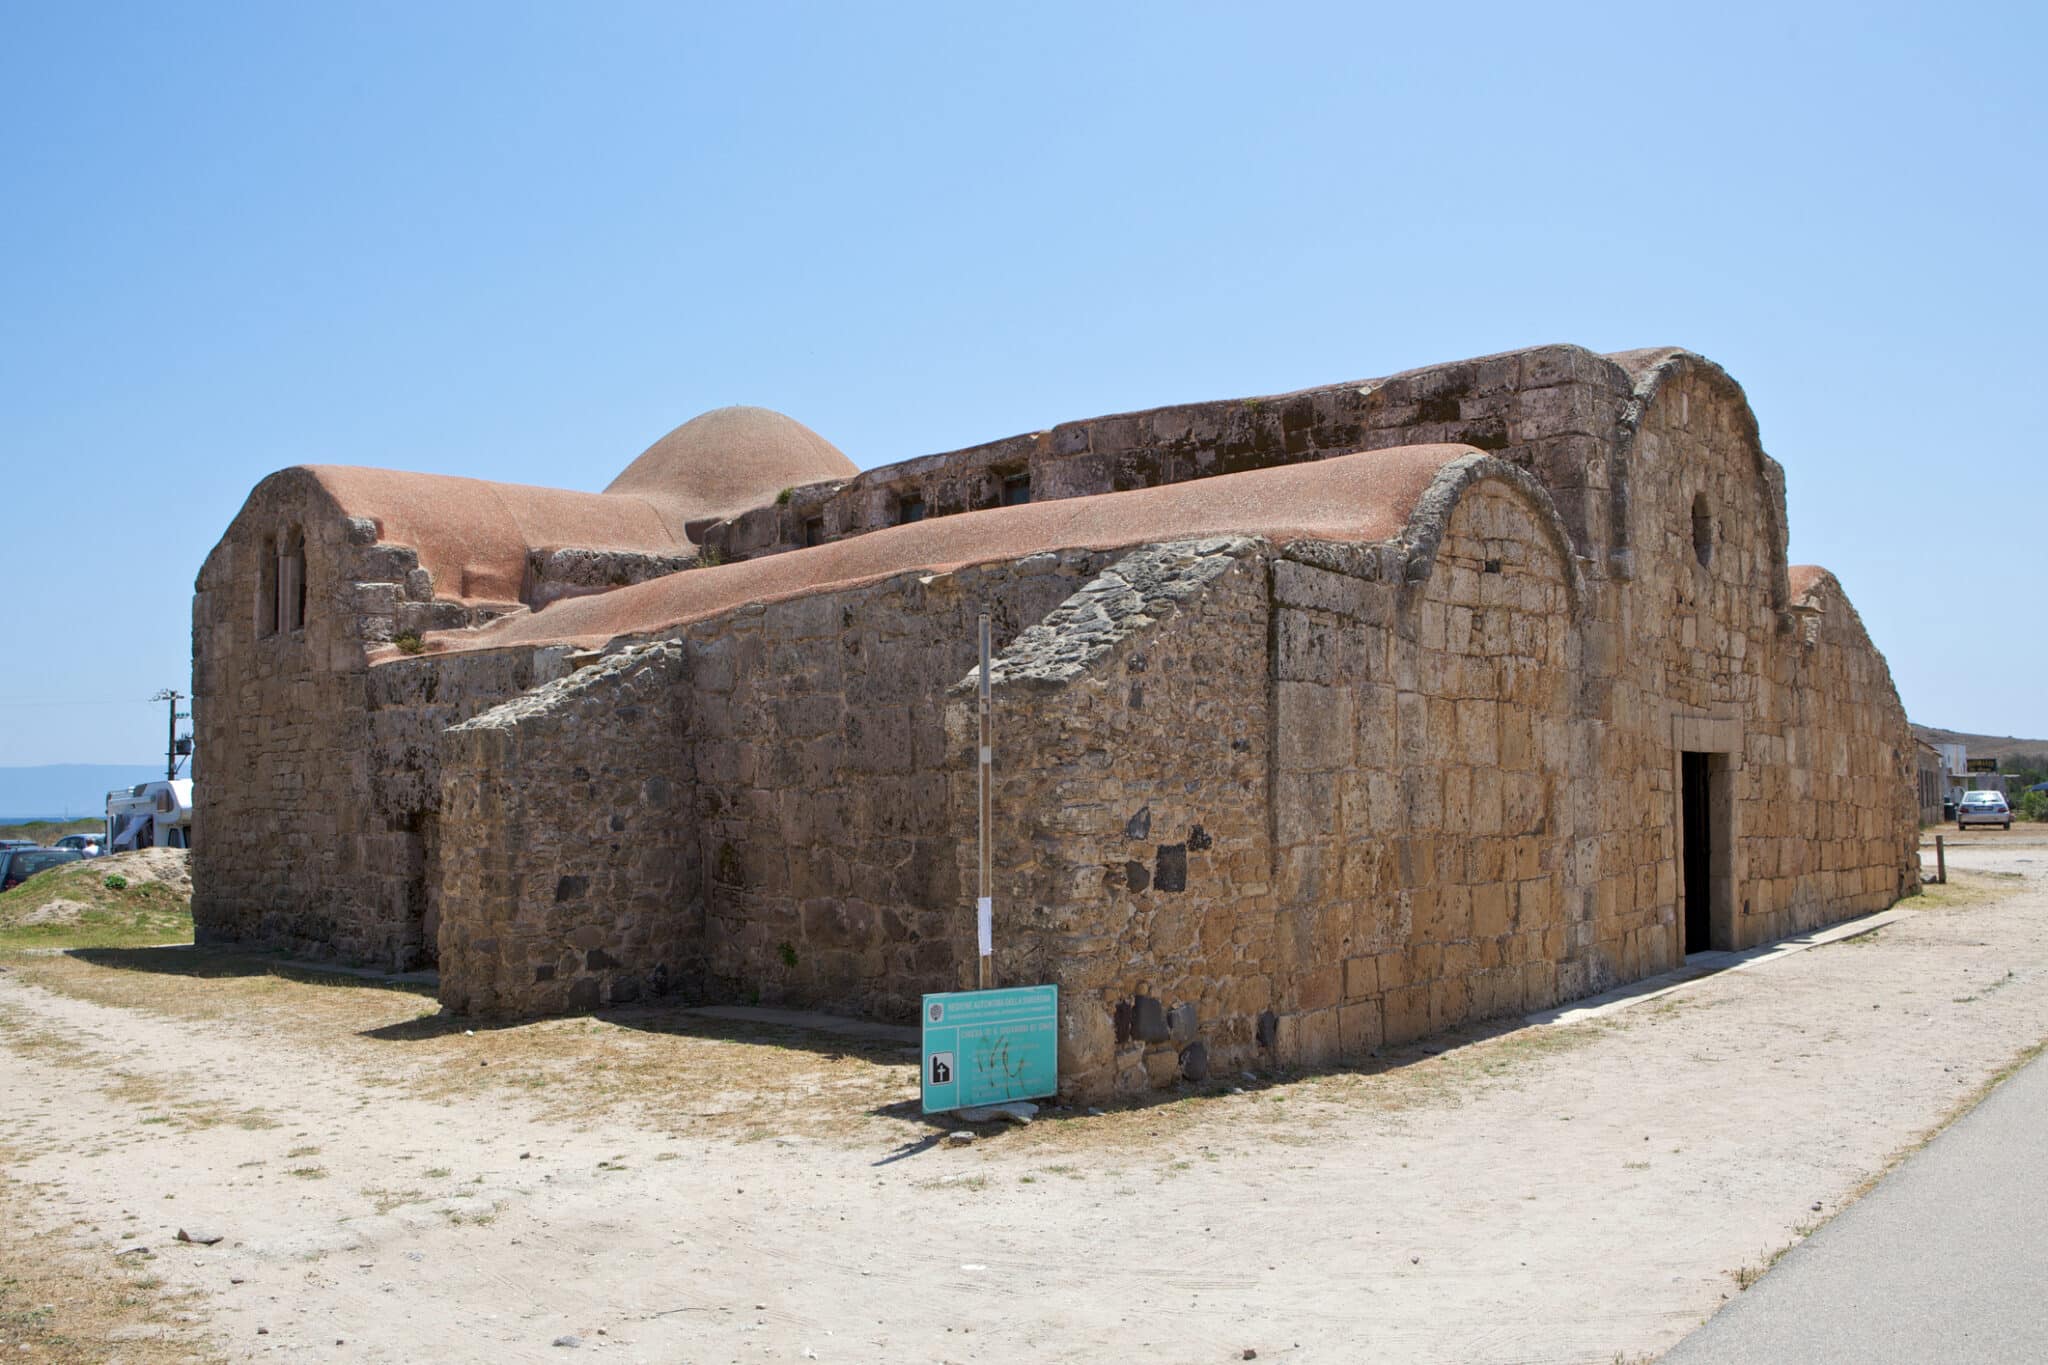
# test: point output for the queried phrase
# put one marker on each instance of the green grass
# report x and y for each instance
(138, 914)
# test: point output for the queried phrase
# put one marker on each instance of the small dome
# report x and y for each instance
(727, 461)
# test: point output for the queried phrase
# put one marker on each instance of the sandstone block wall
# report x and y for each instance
(1132, 841)
(1551, 409)
(1326, 806)
(799, 766)
(828, 823)
(568, 870)
(282, 836)
(1347, 795)
(318, 802)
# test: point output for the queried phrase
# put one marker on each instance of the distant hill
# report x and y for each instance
(2000, 747)
(60, 789)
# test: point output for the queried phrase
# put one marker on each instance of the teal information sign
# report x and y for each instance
(985, 1047)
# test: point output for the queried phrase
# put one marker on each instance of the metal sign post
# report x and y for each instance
(989, 1046)
(984, 903)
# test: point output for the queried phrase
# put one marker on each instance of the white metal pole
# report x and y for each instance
(984, 905)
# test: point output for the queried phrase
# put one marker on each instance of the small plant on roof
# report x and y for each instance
(409, 642)
(710, 557)
(782, 498)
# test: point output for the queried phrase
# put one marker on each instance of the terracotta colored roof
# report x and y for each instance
(473, 535)
(728, 461)
(1359, 498)
(1803, 579)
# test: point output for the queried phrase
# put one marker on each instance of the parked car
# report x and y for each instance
(18, 865)
(6, 844)
(88, 844)
(1983, 808)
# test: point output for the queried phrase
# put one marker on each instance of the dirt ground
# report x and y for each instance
(388, 1186)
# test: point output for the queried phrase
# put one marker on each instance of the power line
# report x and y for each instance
(106, 701)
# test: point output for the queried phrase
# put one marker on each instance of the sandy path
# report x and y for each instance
(1554, 1194)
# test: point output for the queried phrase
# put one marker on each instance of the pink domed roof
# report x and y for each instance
(728, 461)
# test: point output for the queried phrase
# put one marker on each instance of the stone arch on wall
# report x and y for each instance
(1489, 624)
(1655, 382)
(1431, 517)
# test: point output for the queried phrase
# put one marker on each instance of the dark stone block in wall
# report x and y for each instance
(1198, 839)
(1441, 407)
(1171, 870)
(1489, 434)
(1194, 1061)
(544, 972)
(1139, 826)
(1125, 1017)
(583, 994)
(1136, 877)
(598, 960)
(569, 888)
(1149, 1020)
(1183, 1022)
(1269, 1030)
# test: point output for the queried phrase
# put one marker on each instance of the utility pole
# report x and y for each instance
(172, 696)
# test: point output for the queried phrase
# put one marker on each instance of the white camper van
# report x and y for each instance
(150, 815)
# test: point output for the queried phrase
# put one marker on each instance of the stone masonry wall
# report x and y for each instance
(283, 834)
(1839, 835)
(1701, 643)
(411, 702)
(554, 574)
(1132, 847)
(1316, 809)
(570, 877)
(829, 837)
(1553, 410)
(317, 798)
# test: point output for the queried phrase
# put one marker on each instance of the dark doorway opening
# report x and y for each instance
(1696, 797)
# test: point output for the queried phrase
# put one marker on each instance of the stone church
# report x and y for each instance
(1322, 720)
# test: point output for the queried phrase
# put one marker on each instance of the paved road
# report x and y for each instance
(1946, 1260)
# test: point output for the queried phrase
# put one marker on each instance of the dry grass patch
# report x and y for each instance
(1966, 891)
(77, 1307)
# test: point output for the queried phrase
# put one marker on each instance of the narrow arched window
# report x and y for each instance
(1702, 531)
(291, 581)
(266, 587)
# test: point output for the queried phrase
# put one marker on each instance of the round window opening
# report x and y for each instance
(1702, 531)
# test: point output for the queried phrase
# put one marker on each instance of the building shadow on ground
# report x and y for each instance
(200, 962)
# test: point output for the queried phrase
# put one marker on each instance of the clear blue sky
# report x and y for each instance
(521, 241)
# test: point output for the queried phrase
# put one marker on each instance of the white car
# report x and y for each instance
(1983, 808)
